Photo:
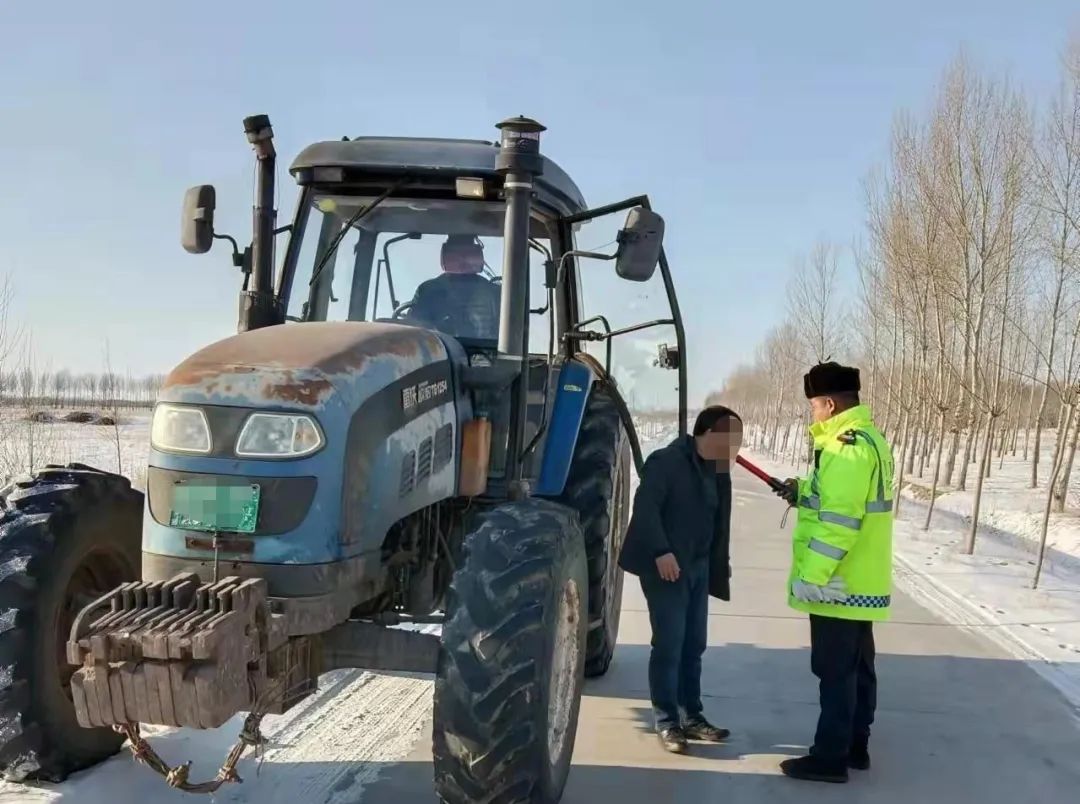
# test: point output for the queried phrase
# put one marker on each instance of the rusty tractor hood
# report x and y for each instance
(302, 364)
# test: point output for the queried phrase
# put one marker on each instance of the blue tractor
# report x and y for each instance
(347, 466)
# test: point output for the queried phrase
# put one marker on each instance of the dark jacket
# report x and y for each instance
(682, 506)
(462, 305)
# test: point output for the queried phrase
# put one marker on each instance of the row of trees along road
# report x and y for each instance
(964, 316)
(28, 388)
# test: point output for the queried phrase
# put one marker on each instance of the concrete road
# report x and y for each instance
(957, 720)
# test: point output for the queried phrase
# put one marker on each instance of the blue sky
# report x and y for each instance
(750, 126)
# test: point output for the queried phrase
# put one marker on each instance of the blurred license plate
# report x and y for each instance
(234, 509)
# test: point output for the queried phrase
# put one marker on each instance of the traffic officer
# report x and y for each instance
(842, 567)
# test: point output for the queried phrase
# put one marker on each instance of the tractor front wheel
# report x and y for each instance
(511, 666)
(68, 535)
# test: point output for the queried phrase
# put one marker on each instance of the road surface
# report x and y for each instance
(957, 721)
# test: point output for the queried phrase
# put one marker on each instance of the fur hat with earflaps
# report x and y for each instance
(825, 379)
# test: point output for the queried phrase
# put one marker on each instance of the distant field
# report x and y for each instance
(32, 439)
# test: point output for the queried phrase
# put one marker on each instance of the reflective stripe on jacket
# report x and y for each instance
(845, 518)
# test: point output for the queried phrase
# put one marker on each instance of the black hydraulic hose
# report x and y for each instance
(628, 425)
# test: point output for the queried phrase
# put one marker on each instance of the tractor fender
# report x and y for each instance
(574, 385)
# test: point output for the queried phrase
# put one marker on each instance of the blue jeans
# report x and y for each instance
(679, 616)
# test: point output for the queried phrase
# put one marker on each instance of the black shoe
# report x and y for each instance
(673, 739)
(700, 729)
(812, 769)
(859, 757)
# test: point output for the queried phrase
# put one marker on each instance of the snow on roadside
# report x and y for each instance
(990, 592)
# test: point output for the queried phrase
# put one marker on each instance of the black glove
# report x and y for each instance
(788, 491)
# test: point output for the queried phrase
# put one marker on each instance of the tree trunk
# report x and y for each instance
(904, 410)
(1031, 418)
(924, 440)
(969, 546)
(969, 442)
(1055, 470)
(891, 384)
(954, 448)
(1062, 490)
(1037, 446)
(937, 470)
(897, 497)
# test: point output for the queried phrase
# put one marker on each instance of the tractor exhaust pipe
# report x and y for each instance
(520, 162)
(258, 307)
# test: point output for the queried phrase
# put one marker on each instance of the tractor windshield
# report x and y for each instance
(429, 262)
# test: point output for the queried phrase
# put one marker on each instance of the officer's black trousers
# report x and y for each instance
(842, 657)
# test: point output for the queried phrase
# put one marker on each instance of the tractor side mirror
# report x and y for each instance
(639, 241)
(197, 224)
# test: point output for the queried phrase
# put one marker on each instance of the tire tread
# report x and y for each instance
(488, 683)
(590, 490)
(36, 513)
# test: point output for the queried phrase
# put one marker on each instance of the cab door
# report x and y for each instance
(634, 329)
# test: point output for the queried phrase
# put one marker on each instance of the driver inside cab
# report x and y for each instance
(460, 301)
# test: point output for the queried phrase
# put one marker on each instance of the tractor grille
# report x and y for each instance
(408, 473)
(423, 461)
(444, 447)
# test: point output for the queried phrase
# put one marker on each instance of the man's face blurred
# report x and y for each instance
(463, 259)
(822, 408)
(722, 443)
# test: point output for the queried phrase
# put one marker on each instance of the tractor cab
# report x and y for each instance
(434, 233)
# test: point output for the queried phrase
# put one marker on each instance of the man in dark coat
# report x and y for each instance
(677, 544)
(460, 301)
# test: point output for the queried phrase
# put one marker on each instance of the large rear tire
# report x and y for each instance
(67, 536)
(511, 666)
(598, 488)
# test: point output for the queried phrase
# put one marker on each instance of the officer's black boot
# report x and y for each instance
(859, 758)
(814, 769)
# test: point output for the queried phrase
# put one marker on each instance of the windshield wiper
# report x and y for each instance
(357, 216)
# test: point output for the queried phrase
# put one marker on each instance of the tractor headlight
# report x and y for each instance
(278, 435)
(179, 428)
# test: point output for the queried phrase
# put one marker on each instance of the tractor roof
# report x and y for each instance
(450, 158)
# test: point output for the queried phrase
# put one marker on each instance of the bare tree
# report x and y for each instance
(1057, 173)
(813, 304)
(111, 382)
(967, 320)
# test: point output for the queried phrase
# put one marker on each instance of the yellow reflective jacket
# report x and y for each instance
(845, 518)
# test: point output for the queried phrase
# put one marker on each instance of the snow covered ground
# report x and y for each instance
(990, 592)
(25, 444)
